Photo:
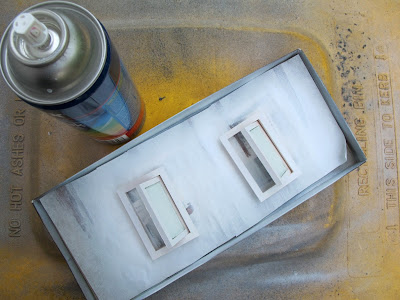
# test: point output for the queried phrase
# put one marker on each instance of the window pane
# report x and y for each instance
(145, 219)
(164, 209)
(269, 150)
(251, 162)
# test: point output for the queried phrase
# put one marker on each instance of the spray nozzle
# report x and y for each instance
(34, 32)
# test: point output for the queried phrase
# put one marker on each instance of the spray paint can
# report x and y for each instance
(58, 57)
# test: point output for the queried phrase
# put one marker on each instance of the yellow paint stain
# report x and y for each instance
(197, 77)
(27, 275)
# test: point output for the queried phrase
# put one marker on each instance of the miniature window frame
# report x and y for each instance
(154, 177)
(259, 120)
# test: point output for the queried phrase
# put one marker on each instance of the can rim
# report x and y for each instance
(29, 98)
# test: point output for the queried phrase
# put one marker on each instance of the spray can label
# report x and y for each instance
(105, 114)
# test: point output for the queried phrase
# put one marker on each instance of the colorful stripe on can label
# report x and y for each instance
(113, 112)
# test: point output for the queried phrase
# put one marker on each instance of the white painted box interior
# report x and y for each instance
(97, 230)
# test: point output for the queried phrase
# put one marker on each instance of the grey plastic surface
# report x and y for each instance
(341, 243)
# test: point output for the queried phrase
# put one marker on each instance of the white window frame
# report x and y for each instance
(158, 175)
(169, 242)
(259, 119)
